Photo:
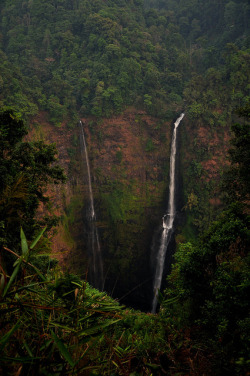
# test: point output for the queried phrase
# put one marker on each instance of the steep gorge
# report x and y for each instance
(129, 161)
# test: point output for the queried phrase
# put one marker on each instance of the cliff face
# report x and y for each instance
(129, 158)
(129, 162)
(63, 197)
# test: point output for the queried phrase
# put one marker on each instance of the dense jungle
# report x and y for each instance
(89, 95)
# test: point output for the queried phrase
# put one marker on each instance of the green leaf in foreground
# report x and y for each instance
(12, 277)
(65, 353)
(36, 240)
(97, 328)
(24, 244)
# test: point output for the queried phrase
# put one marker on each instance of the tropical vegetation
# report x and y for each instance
(69, 59)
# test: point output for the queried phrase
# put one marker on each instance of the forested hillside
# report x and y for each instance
(81, 57)
(126, 70)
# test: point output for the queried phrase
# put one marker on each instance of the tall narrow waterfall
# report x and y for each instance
(96, 262)
(167, 220)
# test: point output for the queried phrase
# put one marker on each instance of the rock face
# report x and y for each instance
(129, 163)
(129, 157)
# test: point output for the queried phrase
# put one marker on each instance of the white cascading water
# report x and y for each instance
(96, 267)
(167, 220)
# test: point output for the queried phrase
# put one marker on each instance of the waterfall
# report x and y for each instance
(167, 220)
(96, 262)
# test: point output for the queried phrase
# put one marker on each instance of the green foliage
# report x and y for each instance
(195, 110)
(54, 323)
(209, 282)
(56, 110)
(96, 58)
(208, 288)
(147, 100)
(26, 169)
(236, 178)
(143, 57)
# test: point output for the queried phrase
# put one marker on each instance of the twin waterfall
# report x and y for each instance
(167, 220)
(96, 263)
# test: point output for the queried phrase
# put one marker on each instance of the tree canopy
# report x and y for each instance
(97, 58)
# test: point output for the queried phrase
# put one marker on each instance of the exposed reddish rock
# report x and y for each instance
(126, 147)
(216, 143)
(131, 148)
